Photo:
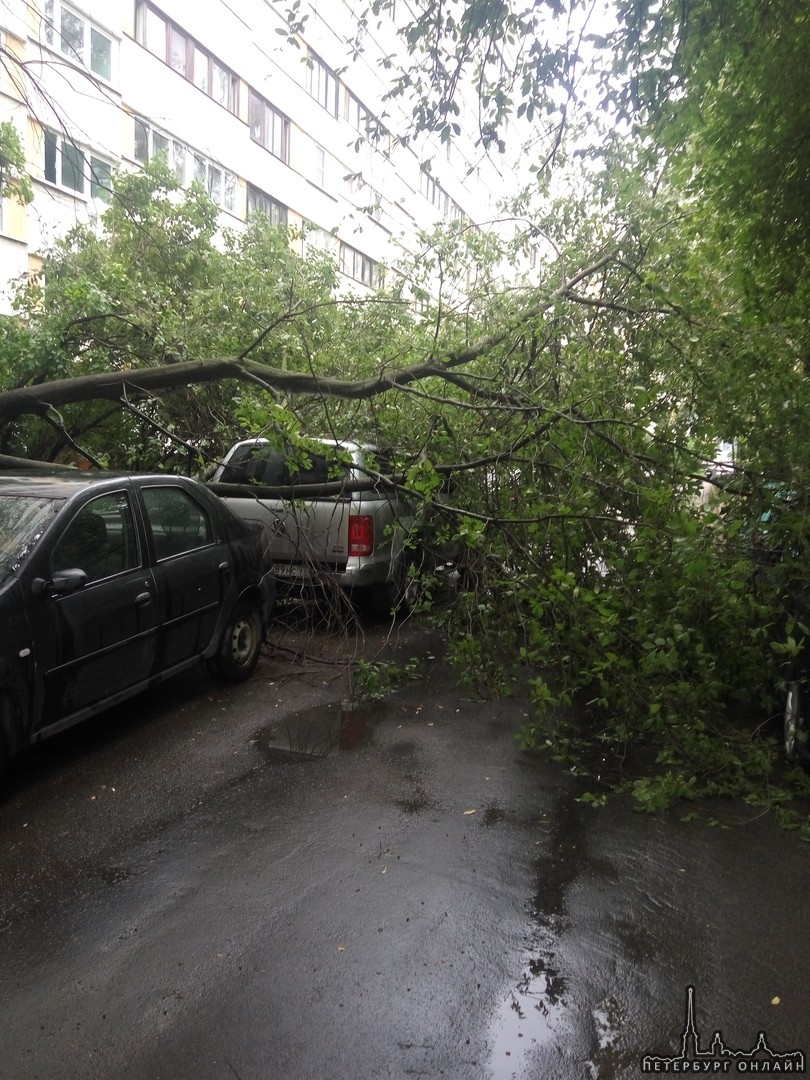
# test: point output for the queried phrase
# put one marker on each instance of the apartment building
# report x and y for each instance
(295, 126)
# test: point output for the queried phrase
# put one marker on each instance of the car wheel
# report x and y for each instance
(797, 738)
(240, 644)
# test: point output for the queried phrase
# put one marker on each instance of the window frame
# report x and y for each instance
(53, 21)
(100, 188)
(437, 196)
(322, 84)
(272, 126)
(359, 266)
(187, 164)
(320, 167)
(356, 114)
(132, 554)
(187, 56)
(151, 515)
(259, 202)
(64, 158)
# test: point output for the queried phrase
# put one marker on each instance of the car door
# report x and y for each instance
(191, 571)
(99, 640)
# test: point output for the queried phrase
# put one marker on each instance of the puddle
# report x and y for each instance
(318, 732)
(493, 814)
(529, 1017)
(534, 1012)
(608, 1060)
(418, 802)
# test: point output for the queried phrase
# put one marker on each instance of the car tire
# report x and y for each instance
(796, 734)
(241, 643)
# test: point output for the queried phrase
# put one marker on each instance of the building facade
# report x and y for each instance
(294, 125)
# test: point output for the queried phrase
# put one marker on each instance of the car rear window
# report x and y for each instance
(23, 520)
(265, 465)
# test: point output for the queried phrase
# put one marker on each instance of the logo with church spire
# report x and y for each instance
(720, 1058)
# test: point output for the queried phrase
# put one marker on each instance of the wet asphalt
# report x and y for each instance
(256, 882)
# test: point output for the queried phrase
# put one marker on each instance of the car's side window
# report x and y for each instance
(100, 540)
(177, 521)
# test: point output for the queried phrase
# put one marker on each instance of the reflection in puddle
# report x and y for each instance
(317, 732)
(607, 1060)
(527, 1019)
(534, 1014)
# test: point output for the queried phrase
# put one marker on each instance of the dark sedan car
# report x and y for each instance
(110, 583)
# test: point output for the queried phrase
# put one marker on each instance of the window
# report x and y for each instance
(67, 166)
(178, 50)
(100, 54)
(78, 39)
(432, 190)
(179, 161)
(154, 31)
(177, 522)
(229, 192)
(318, 239)
(149, 144)
(322, 83)
(100, 179)
(258, 202)
(72, 172)
(202, 74)
(141, 146)
(100, 539)
(269, 128)
(355, 112)
(320, 167)
(359, 266)
(219, 184)
(187, 165)
(224, 86)
(435, 194)
(187, 57)
(214, 184)
(160, 145)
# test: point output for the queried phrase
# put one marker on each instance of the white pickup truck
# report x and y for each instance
(329, 519)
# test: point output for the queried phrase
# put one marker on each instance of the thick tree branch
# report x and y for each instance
(112, 385)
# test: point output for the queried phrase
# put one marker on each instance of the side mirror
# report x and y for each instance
(63, 582)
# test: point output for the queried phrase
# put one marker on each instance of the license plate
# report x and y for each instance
(292, 571)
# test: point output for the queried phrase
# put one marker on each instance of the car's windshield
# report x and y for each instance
(23, 519)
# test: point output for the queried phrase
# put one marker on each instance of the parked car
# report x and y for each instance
(357, 539)
(110, 583)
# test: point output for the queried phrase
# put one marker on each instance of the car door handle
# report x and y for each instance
(142, 599)
(224, 568)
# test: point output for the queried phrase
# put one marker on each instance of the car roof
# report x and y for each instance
(64, 483)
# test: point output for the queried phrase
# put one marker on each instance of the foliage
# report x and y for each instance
(14, 180)
(375, 679)
(155, 288)
(503, 54)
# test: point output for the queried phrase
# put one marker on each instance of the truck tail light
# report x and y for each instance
(361, 534)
